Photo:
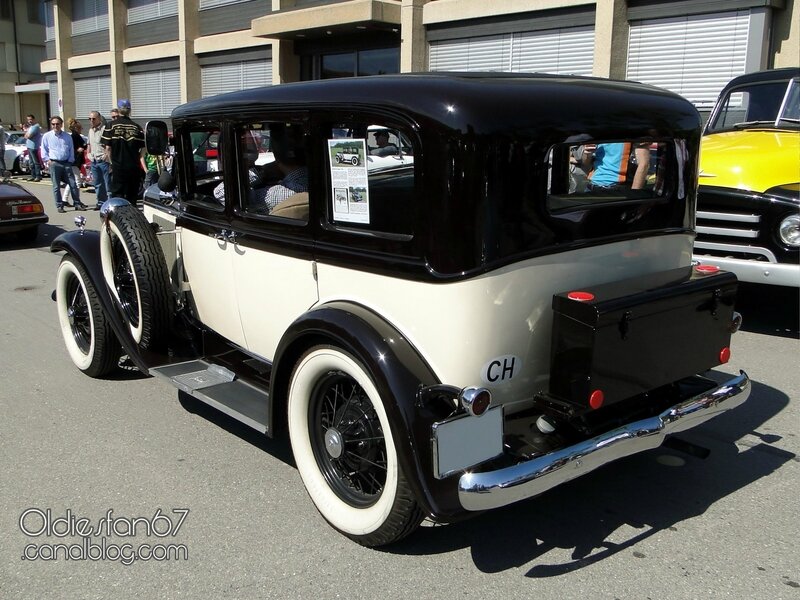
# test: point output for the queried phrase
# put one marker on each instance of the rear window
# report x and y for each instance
(530, 198)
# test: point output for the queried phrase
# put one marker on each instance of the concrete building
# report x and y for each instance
(160, 53)
(22, 86)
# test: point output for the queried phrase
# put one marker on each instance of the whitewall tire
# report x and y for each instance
(135, 272)
(87, 334)
(345, 451)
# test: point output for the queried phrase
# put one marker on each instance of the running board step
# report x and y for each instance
(219, 387)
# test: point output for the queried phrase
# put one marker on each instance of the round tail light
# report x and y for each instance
(476, 401)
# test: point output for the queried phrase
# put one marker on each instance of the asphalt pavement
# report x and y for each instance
(129, 461)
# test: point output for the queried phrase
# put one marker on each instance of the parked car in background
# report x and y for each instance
(25, 164)
(21, 212)
(748, 207)
(458, 332)
(15, 148)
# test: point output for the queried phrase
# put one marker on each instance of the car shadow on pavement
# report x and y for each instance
(769, 309)
(47, 233)
(618, 506)
(277, 446)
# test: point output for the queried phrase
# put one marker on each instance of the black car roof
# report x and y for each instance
(477, 102)
(783, 74)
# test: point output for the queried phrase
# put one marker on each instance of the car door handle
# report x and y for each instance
(220, 236)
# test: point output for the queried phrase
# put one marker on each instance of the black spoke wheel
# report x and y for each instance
(124, 282)
(345, 450)
(347, 439)
(87, 334)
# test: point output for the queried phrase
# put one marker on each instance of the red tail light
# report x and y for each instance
(581, 296)
(596, 399)
(724, 355)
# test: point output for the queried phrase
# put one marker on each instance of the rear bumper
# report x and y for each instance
(483, 491)
(755, 271)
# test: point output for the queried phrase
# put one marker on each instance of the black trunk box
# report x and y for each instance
(639, 334)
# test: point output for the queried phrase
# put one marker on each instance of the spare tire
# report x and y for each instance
(135, 272)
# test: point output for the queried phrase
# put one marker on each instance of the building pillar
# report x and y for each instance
(188, 32)
(611, 39)
(413, 45)
(63, 43)
(118, 41)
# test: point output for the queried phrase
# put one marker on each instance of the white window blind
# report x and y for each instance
(204, 4)
(92, 93)
(155, 93)
(231, 77)
(89, 16)
(567, 50)
(694, 56)
(140, 11)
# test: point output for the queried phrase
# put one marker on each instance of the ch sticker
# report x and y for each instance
(501, 369)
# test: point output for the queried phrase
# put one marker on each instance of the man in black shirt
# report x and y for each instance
(124, 145)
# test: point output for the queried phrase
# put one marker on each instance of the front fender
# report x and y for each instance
(84, 246)
(399, 374)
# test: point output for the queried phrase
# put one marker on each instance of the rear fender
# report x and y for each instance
(402, 378)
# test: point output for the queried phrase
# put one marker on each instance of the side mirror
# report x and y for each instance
(156, 138)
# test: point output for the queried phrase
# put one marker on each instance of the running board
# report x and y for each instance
(221, 388)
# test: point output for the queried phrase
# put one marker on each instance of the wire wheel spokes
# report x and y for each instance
(347, 440)
(78, 314)
(124, 281)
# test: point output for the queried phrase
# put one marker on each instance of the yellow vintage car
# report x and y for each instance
(749, 195)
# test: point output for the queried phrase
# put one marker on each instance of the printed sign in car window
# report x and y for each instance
(349, 180)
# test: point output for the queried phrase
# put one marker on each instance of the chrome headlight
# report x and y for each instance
(789, 230)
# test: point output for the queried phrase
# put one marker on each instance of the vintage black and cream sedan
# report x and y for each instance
(439, 336)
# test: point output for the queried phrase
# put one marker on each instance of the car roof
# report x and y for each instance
(478, 102)
(783, 74)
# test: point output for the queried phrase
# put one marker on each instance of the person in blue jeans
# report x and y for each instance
(58, 152)
(101, 170)
(33, 141)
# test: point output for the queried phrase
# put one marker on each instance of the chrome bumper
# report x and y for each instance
(483, 491)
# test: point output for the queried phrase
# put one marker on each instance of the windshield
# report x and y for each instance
(769, 104)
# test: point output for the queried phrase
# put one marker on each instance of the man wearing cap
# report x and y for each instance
(384, 147)
(124, 145)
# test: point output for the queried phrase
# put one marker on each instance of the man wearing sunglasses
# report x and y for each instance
(58, 153)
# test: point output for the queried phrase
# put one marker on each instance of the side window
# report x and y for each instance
(372, 180)
(274, 171)
(204, 173)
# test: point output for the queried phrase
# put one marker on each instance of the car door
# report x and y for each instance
(206, 248)
(272, 255)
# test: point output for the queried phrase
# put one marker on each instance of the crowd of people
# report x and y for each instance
(113, 152)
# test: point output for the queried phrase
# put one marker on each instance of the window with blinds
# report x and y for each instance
(92, 93)
(568, 50)
(231, 77)
(89, 16)
(49, 22)
(53, 85)
(694, 56)
(140, 11)
(155, 93)
(205, 4)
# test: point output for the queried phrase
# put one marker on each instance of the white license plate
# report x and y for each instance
(467, 441)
